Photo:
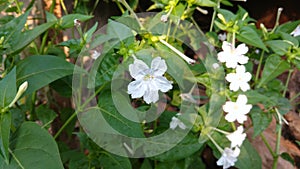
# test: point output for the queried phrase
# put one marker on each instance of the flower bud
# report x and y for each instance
(21, 90)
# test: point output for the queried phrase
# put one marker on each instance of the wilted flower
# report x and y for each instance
(229, 157)
(95, 54)
(76, 23)
(164, 18)
(222, 36)
(237, 137)
(239, 79)
(176, 122)
(237, 110)
(232, 56)
(148, 80)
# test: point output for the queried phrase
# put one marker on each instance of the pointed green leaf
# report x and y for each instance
(260, 120)
(111, 161)
(33, 148)
(67, 21)
(249, 36)
(279, 47)
(248, 157)
(8, 88)
(5, 122)
(40, 70)
(274, 66)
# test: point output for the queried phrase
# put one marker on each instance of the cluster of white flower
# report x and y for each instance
(236, 111)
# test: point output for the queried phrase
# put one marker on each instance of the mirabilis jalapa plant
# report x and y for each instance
(251, 69)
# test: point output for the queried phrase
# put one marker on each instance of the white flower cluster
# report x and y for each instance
(236, 111)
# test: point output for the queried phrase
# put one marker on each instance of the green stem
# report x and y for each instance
(277, 19)
(18, 6)
(16, 159)
(259, 67)
(63, 6)
(277, 148)
(132, 12)
(215, 143)
(268, 145)
(214, 16)
(76, 112)
(120, 7)
(287, 82)
(233, 39)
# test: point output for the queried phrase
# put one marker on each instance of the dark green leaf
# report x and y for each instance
(279, 47)
(288, 27)
(117, 120)
(248, 157)
(46, 115)
(207, 3)
(287, 157)
(5, 123)
(249, 36)
(24, 38)
(33, 148)
(67, 21)
(274, 66)
(260, 120)
(40, 70)
(188, 146)
(63, 86)
(111, 161)
(8, 88)
(255, 97)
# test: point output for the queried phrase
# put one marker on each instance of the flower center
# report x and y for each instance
(148, 77)
(235, 107)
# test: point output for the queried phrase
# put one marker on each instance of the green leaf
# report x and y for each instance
(288, 27)
(8, 88)
(188, 146)
(206, 3)
(88, 35)
(111, 161)
(33, 148)
(287, 157)
(117, 120)
(5, 123)
(24, 38)
(274, 66)
(67, 21)
(289, 39)
(40, 70)
(63, 86)
(119, 31)
(260, 120)
(280, 47)
(46, 115)
(50, 17)
(249, 36)
(255, 97)
(248, 157)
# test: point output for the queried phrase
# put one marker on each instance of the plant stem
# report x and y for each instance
(215, 143)
(214, 16)
(268, 145)
(277, 148)
(16, 159)
(65, 124)
(18, 6)
(287, 82)
(259, 66)
(132, 12)
(63, 6)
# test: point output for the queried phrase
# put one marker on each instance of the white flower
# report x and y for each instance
(176, 122)
(229, 157)
(237, 137)
(232, 56)
(95, 54)
(148, 80)
(222, 36)
(215, 65)
(239, 79)
(296, 32)
(164, 18)
(237, 110)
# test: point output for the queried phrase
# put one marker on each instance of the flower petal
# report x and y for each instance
(136, 89)
(174, 123)
(227, 47)
(151, 96)
(234, 86)
(158, 66)
(242, 99)
(138, 69)
(162, 84)
(241, 49)
(222, 56)
(243, 59)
